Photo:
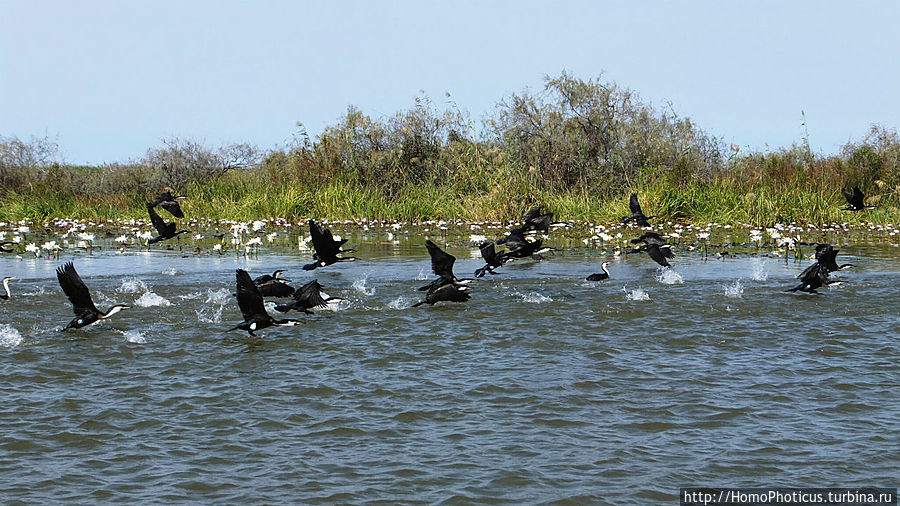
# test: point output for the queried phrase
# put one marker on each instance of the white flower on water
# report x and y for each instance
(217, 247)
(23, 230)
(122, 238)
(32, 248)
(146, 235)
(256, 241)
(17, 239)
(477, 239)
(50, 246)
(197, 237)
(703, 235)
(84, 236)
(271, 237)
(258, 225)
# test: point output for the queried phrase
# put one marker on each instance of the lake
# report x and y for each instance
(543, 387)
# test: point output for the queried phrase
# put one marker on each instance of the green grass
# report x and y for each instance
(245, 195)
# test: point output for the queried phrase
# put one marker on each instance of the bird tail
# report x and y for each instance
(284, 308)
(479, 273)
(309, 267)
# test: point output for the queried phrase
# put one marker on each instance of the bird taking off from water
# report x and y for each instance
(442, 265)
(252, 307)
(327, 249)
(307, 297)
(86, 312)
(274, 285)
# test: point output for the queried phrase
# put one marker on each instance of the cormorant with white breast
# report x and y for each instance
(7, 295)
(253, 308)
(600, 276)
(86, 312)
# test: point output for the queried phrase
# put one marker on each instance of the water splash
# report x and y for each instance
(9, 336)
(400, 303)
(535, 298)
(734, 290)
(422, 276)
(360, 286)
(134, 336)
(669, 277)
(759, 270)
(636, 294)
(150, 299)
(171, 271)
(131, 285)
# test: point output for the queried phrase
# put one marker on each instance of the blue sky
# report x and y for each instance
(110, 79)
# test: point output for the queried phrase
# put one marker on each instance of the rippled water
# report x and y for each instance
(544, 387)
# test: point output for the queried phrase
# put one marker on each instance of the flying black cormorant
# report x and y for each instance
(252, 307)
(86, 312)
(327, 249)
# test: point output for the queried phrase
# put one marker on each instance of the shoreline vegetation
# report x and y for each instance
(578, 147)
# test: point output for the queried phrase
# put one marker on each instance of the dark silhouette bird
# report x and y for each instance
(655, 246)
(442, 265)
(826, 259)
(86, 312)
(855, 200)
(519, 247)
(169, 202)
(274, 285)
(4, 244)
(600, 276)
(252, 307)
(7, 295)
(813, 277)
(491, 256)
(637, 215)
(445, 293)
(165, 230)
(327, 249)
(534, 220)
(307, 297)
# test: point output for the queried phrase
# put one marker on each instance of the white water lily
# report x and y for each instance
(254, 242)
(145, 235)
(32, 248)
(122, 238)
(703, 235)
(217, 247)
(258, 225)
(84, 236)
(197, 237)
(17, 239)
(50, 246)
(23, 230)
(271, 237)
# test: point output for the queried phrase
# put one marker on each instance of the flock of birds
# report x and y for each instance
(518, 243)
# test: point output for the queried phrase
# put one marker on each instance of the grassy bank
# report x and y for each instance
(249, 194)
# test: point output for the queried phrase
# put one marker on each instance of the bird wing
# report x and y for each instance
(488, 253)
(532, 213)
(249, 299)
(634, 205)
(848, 195)
(265, 278)
(657, 255)
(809, 272)
(173, 207)
(158, 223)
(515, 240)
(275, 288)
(322, 244)
(858, 196)
(75, 289)
(541, 222)
(310, 295)
(441, 261)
